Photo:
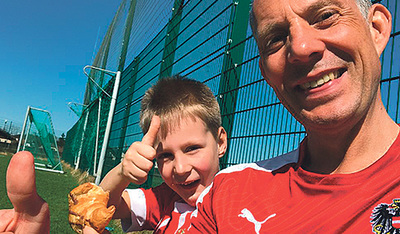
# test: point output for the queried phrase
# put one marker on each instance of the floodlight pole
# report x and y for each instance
(110, 116)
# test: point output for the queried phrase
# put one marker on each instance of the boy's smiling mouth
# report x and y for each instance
(188, 184)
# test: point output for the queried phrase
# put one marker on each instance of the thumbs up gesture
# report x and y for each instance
(138, 159)
(31, 213)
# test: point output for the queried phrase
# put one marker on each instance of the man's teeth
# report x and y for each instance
(315, 83)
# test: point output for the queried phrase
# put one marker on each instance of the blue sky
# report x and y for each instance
(44, 45)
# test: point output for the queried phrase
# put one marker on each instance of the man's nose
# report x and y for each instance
(305, 43)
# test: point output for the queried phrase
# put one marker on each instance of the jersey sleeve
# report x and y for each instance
(138, 211)
(147, 207)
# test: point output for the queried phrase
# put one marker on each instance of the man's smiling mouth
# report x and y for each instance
(323, 80)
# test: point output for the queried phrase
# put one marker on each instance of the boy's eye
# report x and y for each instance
(192, 148)
(165, 156)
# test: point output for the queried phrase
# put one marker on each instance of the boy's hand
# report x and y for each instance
(139, 157)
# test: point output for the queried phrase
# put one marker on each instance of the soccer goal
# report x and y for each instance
(38, 137)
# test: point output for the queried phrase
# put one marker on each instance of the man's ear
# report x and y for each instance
(380, 25)
(222, 142)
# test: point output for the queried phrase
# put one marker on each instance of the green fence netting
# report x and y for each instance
(210, 41)
(84, 140)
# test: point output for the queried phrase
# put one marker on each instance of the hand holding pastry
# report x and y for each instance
(88, 207)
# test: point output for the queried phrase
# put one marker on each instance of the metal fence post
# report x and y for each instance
(108, 127)
(171, 40)
(132, 80)
(231, 69)
(127, 34)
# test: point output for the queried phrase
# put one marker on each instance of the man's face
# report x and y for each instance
(319, 57)
(188, 157)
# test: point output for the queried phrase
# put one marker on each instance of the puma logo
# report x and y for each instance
(249, 216)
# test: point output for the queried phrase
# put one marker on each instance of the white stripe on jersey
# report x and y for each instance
(138, 211)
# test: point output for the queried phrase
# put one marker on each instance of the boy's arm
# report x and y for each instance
(134, 168)
(115, 183)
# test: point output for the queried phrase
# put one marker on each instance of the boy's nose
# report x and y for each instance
(181, 165)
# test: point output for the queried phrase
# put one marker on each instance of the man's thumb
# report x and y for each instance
(21, 185)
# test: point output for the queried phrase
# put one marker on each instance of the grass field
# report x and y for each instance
(54, 188)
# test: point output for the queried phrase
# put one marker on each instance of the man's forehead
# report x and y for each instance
(275, 9)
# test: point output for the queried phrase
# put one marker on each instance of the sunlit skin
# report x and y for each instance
(30, 213)
(313, 38)
(188, 157)
(300, 42)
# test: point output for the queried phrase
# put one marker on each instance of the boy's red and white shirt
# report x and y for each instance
(159, 209)
(278, 196)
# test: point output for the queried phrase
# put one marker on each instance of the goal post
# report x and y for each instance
(38, 137)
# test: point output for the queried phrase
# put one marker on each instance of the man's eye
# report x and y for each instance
(277, 39)
(326, 19)
(326, 15)
(274, 43)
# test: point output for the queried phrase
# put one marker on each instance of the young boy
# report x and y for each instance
(181, 121)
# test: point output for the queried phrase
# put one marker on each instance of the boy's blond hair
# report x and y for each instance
(174, 98)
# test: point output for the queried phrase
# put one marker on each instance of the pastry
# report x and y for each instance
(88, 206)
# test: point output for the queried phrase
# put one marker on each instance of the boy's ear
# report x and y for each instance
(222, 141)
(380, 26)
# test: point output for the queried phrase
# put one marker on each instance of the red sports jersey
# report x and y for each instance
(278, 196)
(159, 209)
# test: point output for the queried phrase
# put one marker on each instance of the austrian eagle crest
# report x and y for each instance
(385, 218)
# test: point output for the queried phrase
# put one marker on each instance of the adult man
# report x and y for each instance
(321, 57)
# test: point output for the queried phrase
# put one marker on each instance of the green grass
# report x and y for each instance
(54, 188)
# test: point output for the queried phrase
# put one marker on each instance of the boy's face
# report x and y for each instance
(188, 157)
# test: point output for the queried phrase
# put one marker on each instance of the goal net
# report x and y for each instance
(38, 137)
